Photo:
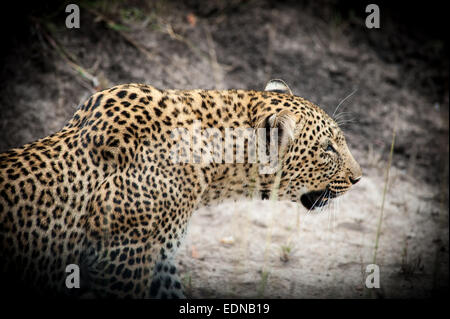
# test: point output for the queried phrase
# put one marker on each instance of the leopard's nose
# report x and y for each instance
(355, 180)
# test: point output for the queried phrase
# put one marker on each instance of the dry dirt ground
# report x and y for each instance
(398, 75)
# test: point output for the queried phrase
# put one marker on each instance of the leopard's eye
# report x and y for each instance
(330, 148)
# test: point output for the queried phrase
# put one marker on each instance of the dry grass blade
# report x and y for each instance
(217, 71)
(263, 283)
(127, 38)
(383, 200)
(66, 56)
(169, 30)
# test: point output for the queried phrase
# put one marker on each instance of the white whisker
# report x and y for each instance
(337, 107)
(341, 115)
(315, 202)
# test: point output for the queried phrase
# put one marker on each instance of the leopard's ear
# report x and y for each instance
(285, 122)
(279, 86)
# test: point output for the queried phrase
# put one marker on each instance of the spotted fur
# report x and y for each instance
(104, 194)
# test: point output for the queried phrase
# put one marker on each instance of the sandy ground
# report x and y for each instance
(264, 249)
(321, 254)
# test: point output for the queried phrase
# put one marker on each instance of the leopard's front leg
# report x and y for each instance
(118, 271)
(134, 221)
(165, 281)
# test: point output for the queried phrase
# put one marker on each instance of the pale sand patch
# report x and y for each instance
(325, 255)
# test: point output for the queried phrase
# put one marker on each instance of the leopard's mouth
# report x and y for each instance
(314, 199)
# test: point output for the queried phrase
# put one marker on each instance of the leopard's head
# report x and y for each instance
(316, 163)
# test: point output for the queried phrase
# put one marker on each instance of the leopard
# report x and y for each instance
(109, 194)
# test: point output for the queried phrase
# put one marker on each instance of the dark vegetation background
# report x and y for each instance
(322, 49)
